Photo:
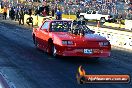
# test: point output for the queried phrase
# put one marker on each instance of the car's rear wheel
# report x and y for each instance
(81, 18)
(36, 43)
(102, 19)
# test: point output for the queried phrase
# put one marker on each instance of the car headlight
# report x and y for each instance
(67, 42)
(70, 42)
(103, 43)
(64, 42)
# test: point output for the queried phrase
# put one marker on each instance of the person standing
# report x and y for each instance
(17, 13)
(21, 17)
(78, 14)
(44, 13)
(119, 19)
(12, 13)
(130, 6)
(47, 9)
(5, 13)
(129, 16)
(36, 11)
(53, 12)
(58, 15)
(29, 11)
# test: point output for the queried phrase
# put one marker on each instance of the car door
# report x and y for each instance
(88, 15)
(44, 34)
(93, 15)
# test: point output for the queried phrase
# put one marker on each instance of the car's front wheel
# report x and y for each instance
(53, 50)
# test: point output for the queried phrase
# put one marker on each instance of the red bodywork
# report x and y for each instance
(89, 45)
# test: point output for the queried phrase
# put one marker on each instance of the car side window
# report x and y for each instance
(45, 25)
(88, 12)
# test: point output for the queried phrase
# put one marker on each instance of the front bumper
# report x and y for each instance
(96, 52)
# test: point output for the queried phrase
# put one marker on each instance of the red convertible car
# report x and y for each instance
(70, 38)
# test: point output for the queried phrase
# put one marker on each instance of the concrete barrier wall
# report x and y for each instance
(1, 10)
(114, 25)
(128, 24)
(40, 20)
(73, 17)
(117, 38)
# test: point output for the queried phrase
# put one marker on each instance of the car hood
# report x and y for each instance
(73, 37)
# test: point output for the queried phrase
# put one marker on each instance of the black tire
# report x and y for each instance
(35, 43)
(49, 49)
(53, 51)
(102, 20)
(81, 18)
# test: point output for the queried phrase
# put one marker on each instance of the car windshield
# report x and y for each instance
(60, 26)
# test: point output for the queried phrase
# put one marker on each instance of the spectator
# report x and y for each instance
(58, 15)
(1, 4)
(29, 11)
(12, 14)
(36, 11)
(21, 17)
(17, 13)
(44, 13)
(53, 11)
(55, 8)
(29, 20)
(5, 13)
(129, 16)
(130, 6)
(119, 18)
(41, 9)
(47, 10)
(26, 10)
(78, 14)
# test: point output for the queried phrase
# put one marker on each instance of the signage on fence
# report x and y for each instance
(116, 38)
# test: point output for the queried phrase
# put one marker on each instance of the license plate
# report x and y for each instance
(88, 51)
(96, 51)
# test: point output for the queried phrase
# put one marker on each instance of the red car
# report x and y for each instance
(68, 38)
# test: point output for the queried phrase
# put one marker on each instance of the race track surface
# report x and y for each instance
(26, 67)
